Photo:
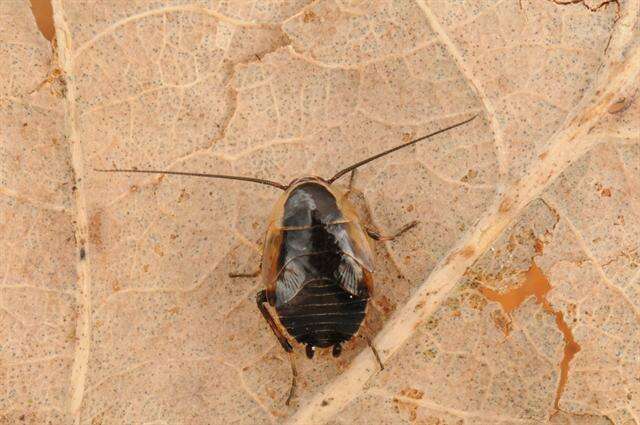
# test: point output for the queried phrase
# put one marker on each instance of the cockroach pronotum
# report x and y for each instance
(317, 264)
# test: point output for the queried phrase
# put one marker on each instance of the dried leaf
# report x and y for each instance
(514, 301)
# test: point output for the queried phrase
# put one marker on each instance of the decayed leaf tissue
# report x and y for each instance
(515, 301)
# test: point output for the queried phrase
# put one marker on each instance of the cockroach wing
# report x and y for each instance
(353, 278)
(352, 241)
(290, 281)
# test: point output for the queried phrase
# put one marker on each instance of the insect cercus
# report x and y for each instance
(317, 264)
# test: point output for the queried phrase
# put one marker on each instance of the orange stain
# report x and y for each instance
(537, 284)
(43, 14)
(468, 251)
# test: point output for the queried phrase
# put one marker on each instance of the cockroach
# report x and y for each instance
(317, 263)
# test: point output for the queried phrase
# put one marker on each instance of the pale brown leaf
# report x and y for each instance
(515, 300)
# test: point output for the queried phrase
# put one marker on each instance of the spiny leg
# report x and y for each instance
(352, 178)
(375, 352)
(251, 274)
(261, 300)
(294, 375)
(375, 233)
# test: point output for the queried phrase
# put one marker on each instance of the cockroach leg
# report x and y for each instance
(261, 300)
(252, 274)
(352, 178)
(375, 352)
(375, 233)
(294, 375)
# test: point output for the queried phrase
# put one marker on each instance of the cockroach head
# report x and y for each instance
(306, 179)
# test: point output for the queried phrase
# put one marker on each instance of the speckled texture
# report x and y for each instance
(115, 301)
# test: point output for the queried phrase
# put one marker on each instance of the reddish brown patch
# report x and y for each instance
(385, 305)
(413, 393)
(95, 228)
(471, 174)
(456, 313)
(158, 250)
(618, 106)
(409, 408)
(419, 306)
(606, 192)
(543, 155)
(538, 246)
(326, 402)
(174, 310)
(537, 284)
(468, 251)
(505, 205)
(502, 322)
(410, 208)
(115, 285)
(477, 302)
(309, 16)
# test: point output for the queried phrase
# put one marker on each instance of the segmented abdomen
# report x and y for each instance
(322, 313)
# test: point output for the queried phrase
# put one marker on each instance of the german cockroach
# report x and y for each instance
(317, 264)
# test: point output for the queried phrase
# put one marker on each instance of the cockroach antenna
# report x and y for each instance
(182, 173)
(381, 154)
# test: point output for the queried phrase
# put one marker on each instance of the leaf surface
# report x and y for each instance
(514, 301)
